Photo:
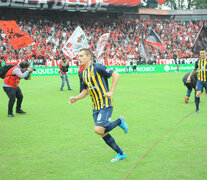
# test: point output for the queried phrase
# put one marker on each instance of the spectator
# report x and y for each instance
(50, 35)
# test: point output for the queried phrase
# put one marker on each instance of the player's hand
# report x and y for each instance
(108, 95)
(188, 80)
(72, 100)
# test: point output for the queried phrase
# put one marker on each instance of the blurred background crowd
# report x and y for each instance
(51, 31)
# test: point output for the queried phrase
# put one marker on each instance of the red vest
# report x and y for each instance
(61, 70)
(10, 79)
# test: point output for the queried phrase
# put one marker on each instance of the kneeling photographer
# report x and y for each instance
(11, 85)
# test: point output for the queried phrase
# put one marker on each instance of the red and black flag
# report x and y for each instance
(17, 38)
(161, 1)
(201, 40)
(154, 40)
(142, 48)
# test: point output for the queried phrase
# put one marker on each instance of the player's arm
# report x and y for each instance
(83, 94)
(115, 79)
(19, 73)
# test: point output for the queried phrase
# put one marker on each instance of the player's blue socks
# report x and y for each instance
(111, 142)
(113, 125)
(197, 101)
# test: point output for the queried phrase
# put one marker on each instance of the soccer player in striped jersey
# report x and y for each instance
(94, 78)
(200, 64)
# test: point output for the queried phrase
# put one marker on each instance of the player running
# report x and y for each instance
(200, 64)
(94, 78)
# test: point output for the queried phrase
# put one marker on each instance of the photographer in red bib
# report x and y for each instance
(11, 86)
(64, 65)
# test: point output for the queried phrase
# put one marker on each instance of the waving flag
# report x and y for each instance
(76, 42)
(101, 44)
(17, 38)
(155, 41)
(142, 51)
(201, 40)
(161, 1)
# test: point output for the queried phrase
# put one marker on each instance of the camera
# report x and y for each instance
(29, 75)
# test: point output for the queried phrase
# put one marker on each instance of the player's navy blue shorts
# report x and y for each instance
(103, 116)
(200, 85)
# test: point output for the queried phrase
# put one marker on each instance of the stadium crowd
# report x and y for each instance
(51, 33)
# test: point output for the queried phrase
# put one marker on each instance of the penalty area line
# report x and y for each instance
(167, 132)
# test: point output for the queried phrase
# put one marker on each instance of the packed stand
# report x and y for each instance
(51, 33)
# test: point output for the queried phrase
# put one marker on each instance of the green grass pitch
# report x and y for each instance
(55, 140)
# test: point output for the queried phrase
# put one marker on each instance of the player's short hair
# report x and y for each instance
(203, 49)
(24, 64)
(87, 51)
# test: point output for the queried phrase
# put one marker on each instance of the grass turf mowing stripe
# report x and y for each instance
(167, 132)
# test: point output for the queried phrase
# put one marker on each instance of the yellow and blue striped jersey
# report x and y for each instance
(201, 64)
(95, 79)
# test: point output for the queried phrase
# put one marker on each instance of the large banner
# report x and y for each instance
(48, 71)
(156, 68)
(17, 38)
(114, 62)
(76, 42)
(76, 5)
(43, 71)
(107, 62)
(56, 63)
(176, 61)
(13, 61)
(40, 62)
(101, 44)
